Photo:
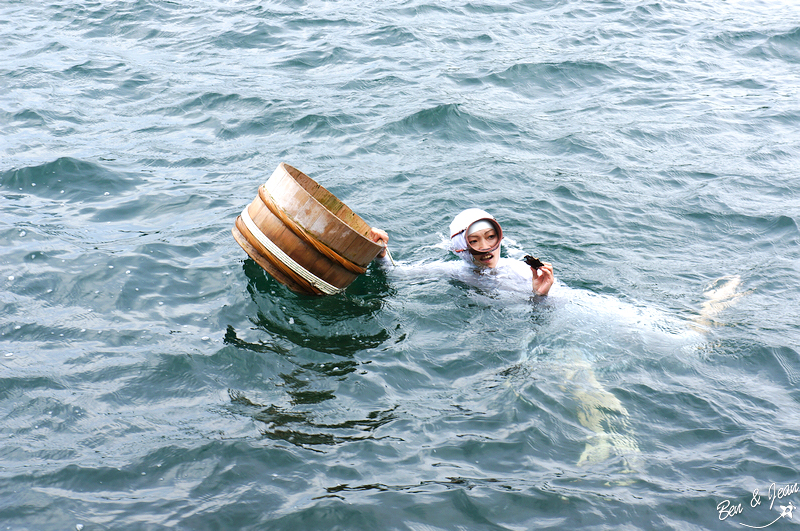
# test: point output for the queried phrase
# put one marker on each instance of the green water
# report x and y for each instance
(153, 377)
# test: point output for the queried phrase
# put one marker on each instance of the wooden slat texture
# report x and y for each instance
(310, 225)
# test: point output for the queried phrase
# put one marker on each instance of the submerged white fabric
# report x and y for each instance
(510, 272)
(509, 275)
(598, 311)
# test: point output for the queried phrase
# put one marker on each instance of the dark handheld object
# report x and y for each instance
(533, 262)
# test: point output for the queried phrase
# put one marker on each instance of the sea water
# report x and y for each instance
(154, 377)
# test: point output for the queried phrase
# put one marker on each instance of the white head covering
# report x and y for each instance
(458, 231)
(479, 226)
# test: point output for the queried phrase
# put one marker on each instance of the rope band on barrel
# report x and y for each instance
(287, 260)
(304, 235)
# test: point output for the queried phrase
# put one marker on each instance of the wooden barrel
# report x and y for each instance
(303, 236)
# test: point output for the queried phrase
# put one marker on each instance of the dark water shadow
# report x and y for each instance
(339, 324)
(299, 428)
(313, 343)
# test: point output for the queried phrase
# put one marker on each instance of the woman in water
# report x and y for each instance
(475, 236)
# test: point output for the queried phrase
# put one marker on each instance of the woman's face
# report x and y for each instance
(481, 242)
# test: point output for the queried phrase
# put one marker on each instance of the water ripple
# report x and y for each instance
(153, 376)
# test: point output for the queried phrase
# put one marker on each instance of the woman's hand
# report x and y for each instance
(378, 235)
(543, 279)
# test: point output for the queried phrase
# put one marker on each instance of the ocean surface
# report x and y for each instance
(152, 376)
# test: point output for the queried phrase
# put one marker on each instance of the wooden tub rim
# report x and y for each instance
(294, 173)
